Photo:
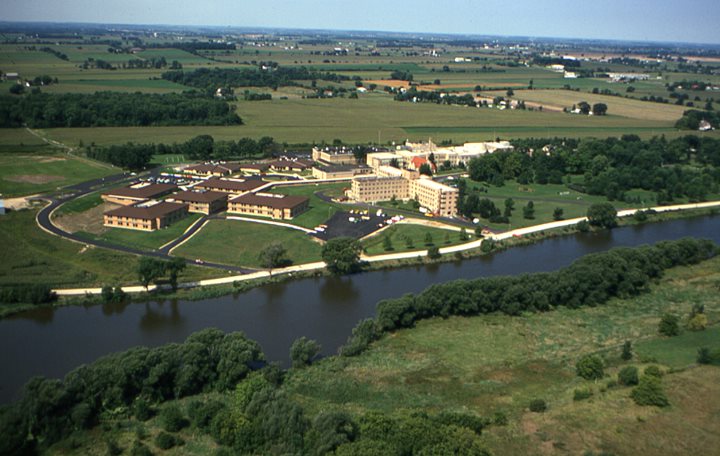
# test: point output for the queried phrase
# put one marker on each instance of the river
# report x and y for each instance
(51, 342)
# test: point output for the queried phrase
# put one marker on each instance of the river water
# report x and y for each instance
(51, 342)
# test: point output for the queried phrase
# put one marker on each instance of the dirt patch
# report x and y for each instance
(90, 221)
(33, 178)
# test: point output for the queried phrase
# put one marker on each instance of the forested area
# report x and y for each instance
(687, 167)
(691, 119)
(413, 94)
(273, 77)
(113, 109)
(590, 281)
(202, 147)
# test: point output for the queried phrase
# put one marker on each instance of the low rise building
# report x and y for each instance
(148, 216)
(254, 168)
(290, 165)
(275, 206)
(207, 202)
(339, 171)
(232, 186)
(213, 169)
(137, 193)
(378, 159)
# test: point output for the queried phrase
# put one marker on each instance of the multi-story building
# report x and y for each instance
(202, 202)
(334, 155)
(371, 189)
(148, 216)
(137, 193)
(438, 198)
(339, 171)
(271, 205)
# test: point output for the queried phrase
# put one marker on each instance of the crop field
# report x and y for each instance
(617, 106)
(240, 243)
(29, 173)
(496, 363)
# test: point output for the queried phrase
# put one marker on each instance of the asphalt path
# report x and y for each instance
(75, 191)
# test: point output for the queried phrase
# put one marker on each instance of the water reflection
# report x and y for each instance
(157, 317)
(274, 292)
(339, 290)
(114, 308)
(41, 315)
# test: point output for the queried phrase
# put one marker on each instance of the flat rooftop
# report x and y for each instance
(232, 184)
(275, 201)
(199, 197)
(145, 191)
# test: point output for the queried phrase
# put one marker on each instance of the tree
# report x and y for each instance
(649, 392)
(627, 351)
(538, 406)
(510, 92)
(599, 109)
(342, 255)
(387, 244)
(174, 267)
(669, 325)
(628, 375)
(273, 256)
(428, 239)
(302, 352)
(704, 356)
(558, 213)
(150, 269)
(434, 253)
(529, 211)
(590, 367)
(603, 215)
(172, 418)
(425, 169)
(463, 234)
(584, 107)
(509, 206)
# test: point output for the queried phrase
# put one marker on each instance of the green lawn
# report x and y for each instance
(151, 240)
(680, 351)
(29, 173)
(399, 234)
(239, 243)
(81, 204)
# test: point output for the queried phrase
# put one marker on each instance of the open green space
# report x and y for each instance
(497, 363)
(149, 240)
(26, 173)
(680, 351)
(417, 235)
(239, 243)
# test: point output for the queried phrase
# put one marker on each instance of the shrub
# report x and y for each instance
(434, 253)
(139, 449)
(582, 394)
(500, 419)
(698, 322)
(649, 392)
(627, 351)
(583, 226)
(142, 410)
(165, 441)
(704, 356)
(654, 371)
(172, 418)
(669, 325)
(628, 376)
(538, 406)
(590, 367)
(303, 351)
(201, 413)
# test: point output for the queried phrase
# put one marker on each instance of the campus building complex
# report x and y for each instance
(232, 186)
(275, 206)
(137, 193)
(149, 216)
(213, 169)
(202, 202)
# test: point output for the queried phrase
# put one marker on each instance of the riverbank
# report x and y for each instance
(217, 287)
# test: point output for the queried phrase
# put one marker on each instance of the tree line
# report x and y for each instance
(273, 77)
(113, 109)
(203, 147)
(51, 409)
(683, 167)
(590, 281)
(691, 119)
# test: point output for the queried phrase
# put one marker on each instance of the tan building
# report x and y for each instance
(290, 165)
(202, 202)
(440, 199)
(254, 168)
(271, 205)
(334, 155)
(137, 193)
(378, 159)
(372, 189)
(146, 217)
(232, 186)
(213, 169)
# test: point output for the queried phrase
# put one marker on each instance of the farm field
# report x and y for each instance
(32, 172)
(239, 243)
(497, 363)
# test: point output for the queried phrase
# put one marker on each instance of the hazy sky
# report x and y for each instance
(647, 20)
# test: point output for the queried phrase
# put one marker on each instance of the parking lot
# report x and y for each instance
(355, 225)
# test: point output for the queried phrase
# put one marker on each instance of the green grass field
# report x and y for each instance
(319, 210)
(151, 240)
(416, 233)
(29, 173)
(499, 363)
(239, 243)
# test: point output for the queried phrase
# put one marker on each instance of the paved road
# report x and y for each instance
(75, 191)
